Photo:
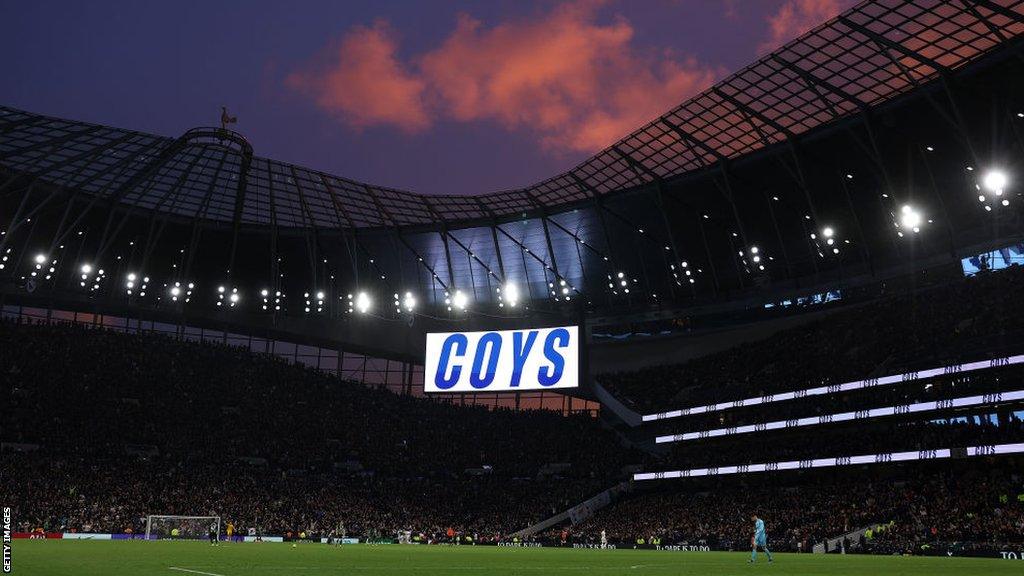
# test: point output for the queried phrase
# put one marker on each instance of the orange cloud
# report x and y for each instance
(362, 82)
(576, 83)
(798, 16)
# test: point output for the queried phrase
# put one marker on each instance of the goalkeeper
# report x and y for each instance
(759, 539)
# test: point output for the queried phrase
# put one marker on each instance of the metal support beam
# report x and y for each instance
(862, 242)
(693, 141)
(240, 193)
(473, 256)
(143, 174)
(420, 259)
(311, 235)
(813, 80)
(52, 142)
(197, 218)
(448, 257)
(883, 41)
(754, 113)
(1001, 10)
(497, 252)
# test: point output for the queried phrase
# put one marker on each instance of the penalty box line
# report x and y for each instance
(193, 571)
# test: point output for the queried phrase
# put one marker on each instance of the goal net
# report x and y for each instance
(165, 527)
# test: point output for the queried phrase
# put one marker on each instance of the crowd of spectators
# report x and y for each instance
(923, 327)
(943, 387)
(966, 506)
(102, 428)
(115, 494)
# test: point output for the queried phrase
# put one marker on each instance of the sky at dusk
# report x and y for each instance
(442, 96)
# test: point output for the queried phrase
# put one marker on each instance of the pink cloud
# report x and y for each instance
(362, 82)
(795, 17)
(575, 82)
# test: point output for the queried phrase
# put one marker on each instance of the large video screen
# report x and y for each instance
(503, 360)
(995, 260)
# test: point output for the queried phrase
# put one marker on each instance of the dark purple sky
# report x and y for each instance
(439, 97)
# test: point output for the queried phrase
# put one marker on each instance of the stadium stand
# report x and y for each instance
(966, 319)
(138, 423)
(972, 508)
(110, 426)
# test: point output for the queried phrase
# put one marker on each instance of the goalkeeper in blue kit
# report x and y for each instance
(759, 539)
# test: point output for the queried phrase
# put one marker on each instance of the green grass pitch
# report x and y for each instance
(138, 558)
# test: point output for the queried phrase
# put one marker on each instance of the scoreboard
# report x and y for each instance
(502, 360)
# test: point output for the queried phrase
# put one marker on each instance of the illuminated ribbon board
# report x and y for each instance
(884, 458)
(900, 409)
(837, 388)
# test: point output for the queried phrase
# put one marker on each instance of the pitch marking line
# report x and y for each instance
(193, 571)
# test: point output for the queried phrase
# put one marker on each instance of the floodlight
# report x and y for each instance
(460, 300)
(363, 302)
(910, 218)
(995, 180)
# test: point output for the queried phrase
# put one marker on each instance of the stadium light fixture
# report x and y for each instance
(995, 181)
(828, 234)
(509, 294)
(363, 302)
(232, 297)
(409, 302)
(86, 268)
(100, 275)
(40, 261)
(755, 258)
(319, 301)
(621, 278)
(459, 300)
(910, 218)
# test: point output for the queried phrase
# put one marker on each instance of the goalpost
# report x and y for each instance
(164, 527)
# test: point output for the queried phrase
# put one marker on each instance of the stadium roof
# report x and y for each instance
(871, 54)
(853, 154)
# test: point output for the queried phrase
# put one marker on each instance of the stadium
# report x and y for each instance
(791, 304)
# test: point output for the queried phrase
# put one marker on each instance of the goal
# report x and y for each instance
(167, 527)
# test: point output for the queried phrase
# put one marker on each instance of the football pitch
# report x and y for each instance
(139, 558)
